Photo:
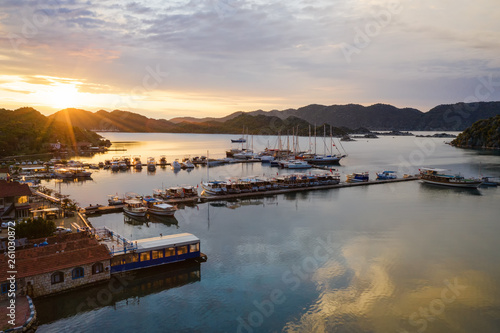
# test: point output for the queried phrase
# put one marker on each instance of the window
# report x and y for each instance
(182, 250)
(22, 200)
(194, 247)
(97, 268)
(5, 288)
(77, 273)
(57, 277)
(157, 254)
(170, 252)
(145, 256)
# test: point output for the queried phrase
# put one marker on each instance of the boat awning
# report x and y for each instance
(151, 200)
(148, 244)
(433, 169)
(164, 206)
(133, 201)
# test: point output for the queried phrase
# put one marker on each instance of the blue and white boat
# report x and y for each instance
(385, 175)
(358, 177)
(215, 187)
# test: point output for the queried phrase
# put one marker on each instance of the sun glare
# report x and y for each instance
(63, 95)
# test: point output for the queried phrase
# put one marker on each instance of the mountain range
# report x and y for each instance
(452, 117)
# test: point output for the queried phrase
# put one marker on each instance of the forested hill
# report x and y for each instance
(124, 121)
(453, 117)
(482, 134)
(27, 131)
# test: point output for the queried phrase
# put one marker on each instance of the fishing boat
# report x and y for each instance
(384, 175)
(240, 140)
(215, 187)
(438, 177)
(134, 207)
(187, 164)
(162, 209)
(487, 181)
(137, 162)
(114, 200)
(151, 164)
(358, 177)
(298, 164)
(158, 207)
(176, 165)
(163, 160)
(115, 166)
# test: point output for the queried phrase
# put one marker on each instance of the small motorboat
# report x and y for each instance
(386, 175)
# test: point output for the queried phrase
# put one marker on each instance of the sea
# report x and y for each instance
(401, 257)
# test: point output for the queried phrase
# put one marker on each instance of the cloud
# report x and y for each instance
(284, 50)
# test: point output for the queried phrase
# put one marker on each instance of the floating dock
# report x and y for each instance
(301, 189)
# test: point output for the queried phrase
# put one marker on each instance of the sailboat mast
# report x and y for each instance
(315, 136)
(324, 139)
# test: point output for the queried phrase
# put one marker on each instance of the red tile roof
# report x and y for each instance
(13, 189)
(50, 258)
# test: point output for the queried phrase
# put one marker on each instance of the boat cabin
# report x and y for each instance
(157, 251)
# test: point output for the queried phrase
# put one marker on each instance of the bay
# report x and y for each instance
(381, 258)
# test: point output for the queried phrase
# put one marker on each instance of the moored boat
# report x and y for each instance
(142, 253)
(151, 164)
(358, 177)
(438, 177)
(215, 187)
(240, 140)
(187, 164)
(384, 175)
(176, 165)
(114, 200)
(134, 207)
(162, 209)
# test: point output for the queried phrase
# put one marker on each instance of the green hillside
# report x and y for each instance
(27, 131)
(482, 134)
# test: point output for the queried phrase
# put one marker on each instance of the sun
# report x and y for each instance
(63, 95)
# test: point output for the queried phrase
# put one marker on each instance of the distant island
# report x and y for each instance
(437, 135)
(482, 134)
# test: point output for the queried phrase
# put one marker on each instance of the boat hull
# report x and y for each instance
(453, 184)
(135, 213)
(161, 213)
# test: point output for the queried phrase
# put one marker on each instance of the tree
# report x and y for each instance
(35, 228)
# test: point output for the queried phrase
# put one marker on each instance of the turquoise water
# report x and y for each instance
(404, 257)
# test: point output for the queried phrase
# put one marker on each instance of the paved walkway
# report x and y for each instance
(22, 311)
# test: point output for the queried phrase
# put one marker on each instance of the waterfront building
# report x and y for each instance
(14, 200)
(56, 264)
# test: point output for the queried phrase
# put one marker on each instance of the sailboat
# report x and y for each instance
(327, 158)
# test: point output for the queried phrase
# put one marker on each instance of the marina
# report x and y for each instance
(271, 220)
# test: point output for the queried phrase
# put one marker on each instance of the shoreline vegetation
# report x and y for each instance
(483, 134)
(26, 131)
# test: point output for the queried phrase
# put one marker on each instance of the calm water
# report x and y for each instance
(402, 257)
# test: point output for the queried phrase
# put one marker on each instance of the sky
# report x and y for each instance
(209, 58)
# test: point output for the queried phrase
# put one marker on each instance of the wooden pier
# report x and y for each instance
(301, 189)
(48, 197)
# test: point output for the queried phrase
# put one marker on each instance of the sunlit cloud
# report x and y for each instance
(260, 55)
